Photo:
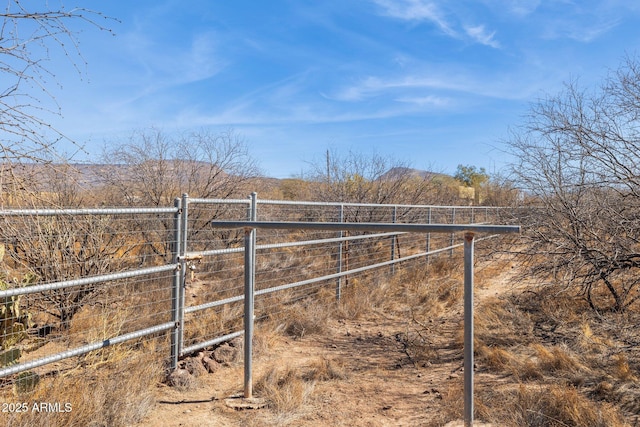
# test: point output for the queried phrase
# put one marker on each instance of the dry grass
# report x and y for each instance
(568, 365)
(288, 390)
(545, 406)
(118, 394)
(325, 369)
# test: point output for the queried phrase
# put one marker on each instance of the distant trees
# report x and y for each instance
(472, 177)
(578, 159)
(358, 178)
(153, 168)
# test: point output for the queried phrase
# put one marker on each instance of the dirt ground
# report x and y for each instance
(379, 383)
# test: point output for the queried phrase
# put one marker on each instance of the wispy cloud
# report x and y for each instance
(193, 60)
(581, 31)
(376, 86)
(441, 15)
(416, 10)
(440, 88)
(429, 100)
(519, 8)
(482, 36)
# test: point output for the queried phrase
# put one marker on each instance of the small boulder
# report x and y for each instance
(195, 367)
(180, 378)
(210, 365)
(225, 354)
(237, 342)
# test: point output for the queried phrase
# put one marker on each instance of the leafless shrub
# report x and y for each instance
(577, 159)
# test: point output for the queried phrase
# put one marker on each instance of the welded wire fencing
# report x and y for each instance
(81, 286)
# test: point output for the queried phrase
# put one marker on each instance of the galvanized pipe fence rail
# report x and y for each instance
(186, 277)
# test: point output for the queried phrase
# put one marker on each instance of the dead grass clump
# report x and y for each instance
(302, 319)
(442, 266)
(451, 408)
(558, 359)
(551, 307)
(359, 298)
(119, 394)
(424, 291)
(506, 361)
(449, 291)
(544, 406)
(499, 322)
(497, 358)
(324, 369)
(200, 325)
(621, 368)
(285, 391)
(591, 343)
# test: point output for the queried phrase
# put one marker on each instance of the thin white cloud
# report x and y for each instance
(520, 8)
(375, 86)
(431, 11)
(452, 83)
(578, 30)
(482, 36)
(424, 101)
(416, 10)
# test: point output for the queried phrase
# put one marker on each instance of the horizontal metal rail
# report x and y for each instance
(215, 341)
(212, 304)
(219, 201)
(372, 205)
(370, 226)
(74, 212)
(323, 241)
(26, 290)
(214, 252)
(291, 244)
(25, 366)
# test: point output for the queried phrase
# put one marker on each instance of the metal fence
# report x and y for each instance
(174, 280)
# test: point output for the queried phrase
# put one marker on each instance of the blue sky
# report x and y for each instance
(431, 83)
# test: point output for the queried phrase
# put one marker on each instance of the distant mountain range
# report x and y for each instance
(91, 175)
(403, 171)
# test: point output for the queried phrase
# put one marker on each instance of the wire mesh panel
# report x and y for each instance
(82, 288)
(213, 283)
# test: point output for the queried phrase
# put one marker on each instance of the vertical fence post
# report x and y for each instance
(175, 289)
(394, 240)
(428, 234)
(468, 329)
(249, 288)
(183, 268)
(339, 282)
(453, 236)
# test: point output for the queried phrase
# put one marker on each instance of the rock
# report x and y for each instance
(195, 367)
(237, 342)
(180, 378)
(210, 365)
(225, 354)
